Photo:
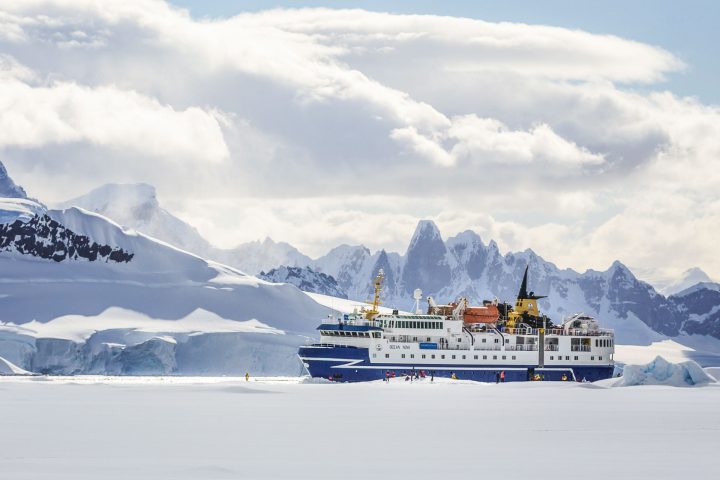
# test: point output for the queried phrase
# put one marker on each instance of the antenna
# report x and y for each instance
(417, 295)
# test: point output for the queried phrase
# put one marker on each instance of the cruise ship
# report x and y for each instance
(488, 343)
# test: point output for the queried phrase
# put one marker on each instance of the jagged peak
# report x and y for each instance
(8, 188)
(468, 237)
(118, 195)
(426, 230)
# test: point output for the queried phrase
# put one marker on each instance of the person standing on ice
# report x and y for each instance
(497, 377)
(502, 376)
(247, 376)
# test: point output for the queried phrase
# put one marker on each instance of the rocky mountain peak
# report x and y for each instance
(8, 188)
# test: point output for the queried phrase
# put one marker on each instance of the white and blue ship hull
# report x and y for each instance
(353, 364)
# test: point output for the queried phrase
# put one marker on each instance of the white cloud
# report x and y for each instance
(320, 126)
(64, 112)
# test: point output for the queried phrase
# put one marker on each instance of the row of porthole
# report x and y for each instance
(485, 357)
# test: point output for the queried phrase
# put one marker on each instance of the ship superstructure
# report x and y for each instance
(483, 343)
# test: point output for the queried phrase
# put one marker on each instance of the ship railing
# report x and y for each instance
(551, 348)
(580, 348)
(574, 332)
(522, 348)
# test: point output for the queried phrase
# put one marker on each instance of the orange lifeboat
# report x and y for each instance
(486, 314)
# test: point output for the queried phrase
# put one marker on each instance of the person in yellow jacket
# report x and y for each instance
(564, 377)
(453, 376)
(247, 376)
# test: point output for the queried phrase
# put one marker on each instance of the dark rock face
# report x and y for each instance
(45, 238)
(627, 294)
(700, 309)
(305, 279)
(426, 264)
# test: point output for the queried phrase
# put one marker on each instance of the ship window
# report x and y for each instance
(494, 357)
(504, 357)
(459, 340)
(423, 356)
(484, 340)
(484, 357)
(463, 357)
(476, 357)
(551, 357)
(497, 340)
(374, 355)
(513, 357)
(599, 358)
(428, 339)
(442, 356)
(432, 356)
(414, 339)
(576, 357)
(567, 358)
(387, 355)
(453, 357)
(592, 358)
(412, 355)
(403, 355)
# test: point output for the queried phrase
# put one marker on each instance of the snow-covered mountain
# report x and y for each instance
(305, 279)
(690, 277)
(81, 294)
(462, 265)
(700, 308)
(255, 257)
(136, 206)
(465, 266)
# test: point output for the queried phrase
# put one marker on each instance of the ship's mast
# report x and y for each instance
(376, 296)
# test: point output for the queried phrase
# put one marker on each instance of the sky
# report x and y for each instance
(587, 131)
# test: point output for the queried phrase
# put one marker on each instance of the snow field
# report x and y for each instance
(142, 428)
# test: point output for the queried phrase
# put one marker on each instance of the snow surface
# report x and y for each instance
(79, 328)
(662, 372)
(88, 428)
